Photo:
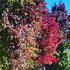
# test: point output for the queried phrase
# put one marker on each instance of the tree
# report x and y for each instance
(34, 33)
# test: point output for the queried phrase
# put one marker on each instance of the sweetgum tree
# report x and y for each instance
(34, 35)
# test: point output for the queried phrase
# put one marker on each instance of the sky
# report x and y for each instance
(51, 2)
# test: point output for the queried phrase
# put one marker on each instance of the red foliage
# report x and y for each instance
(52, 38)
(47, 59)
